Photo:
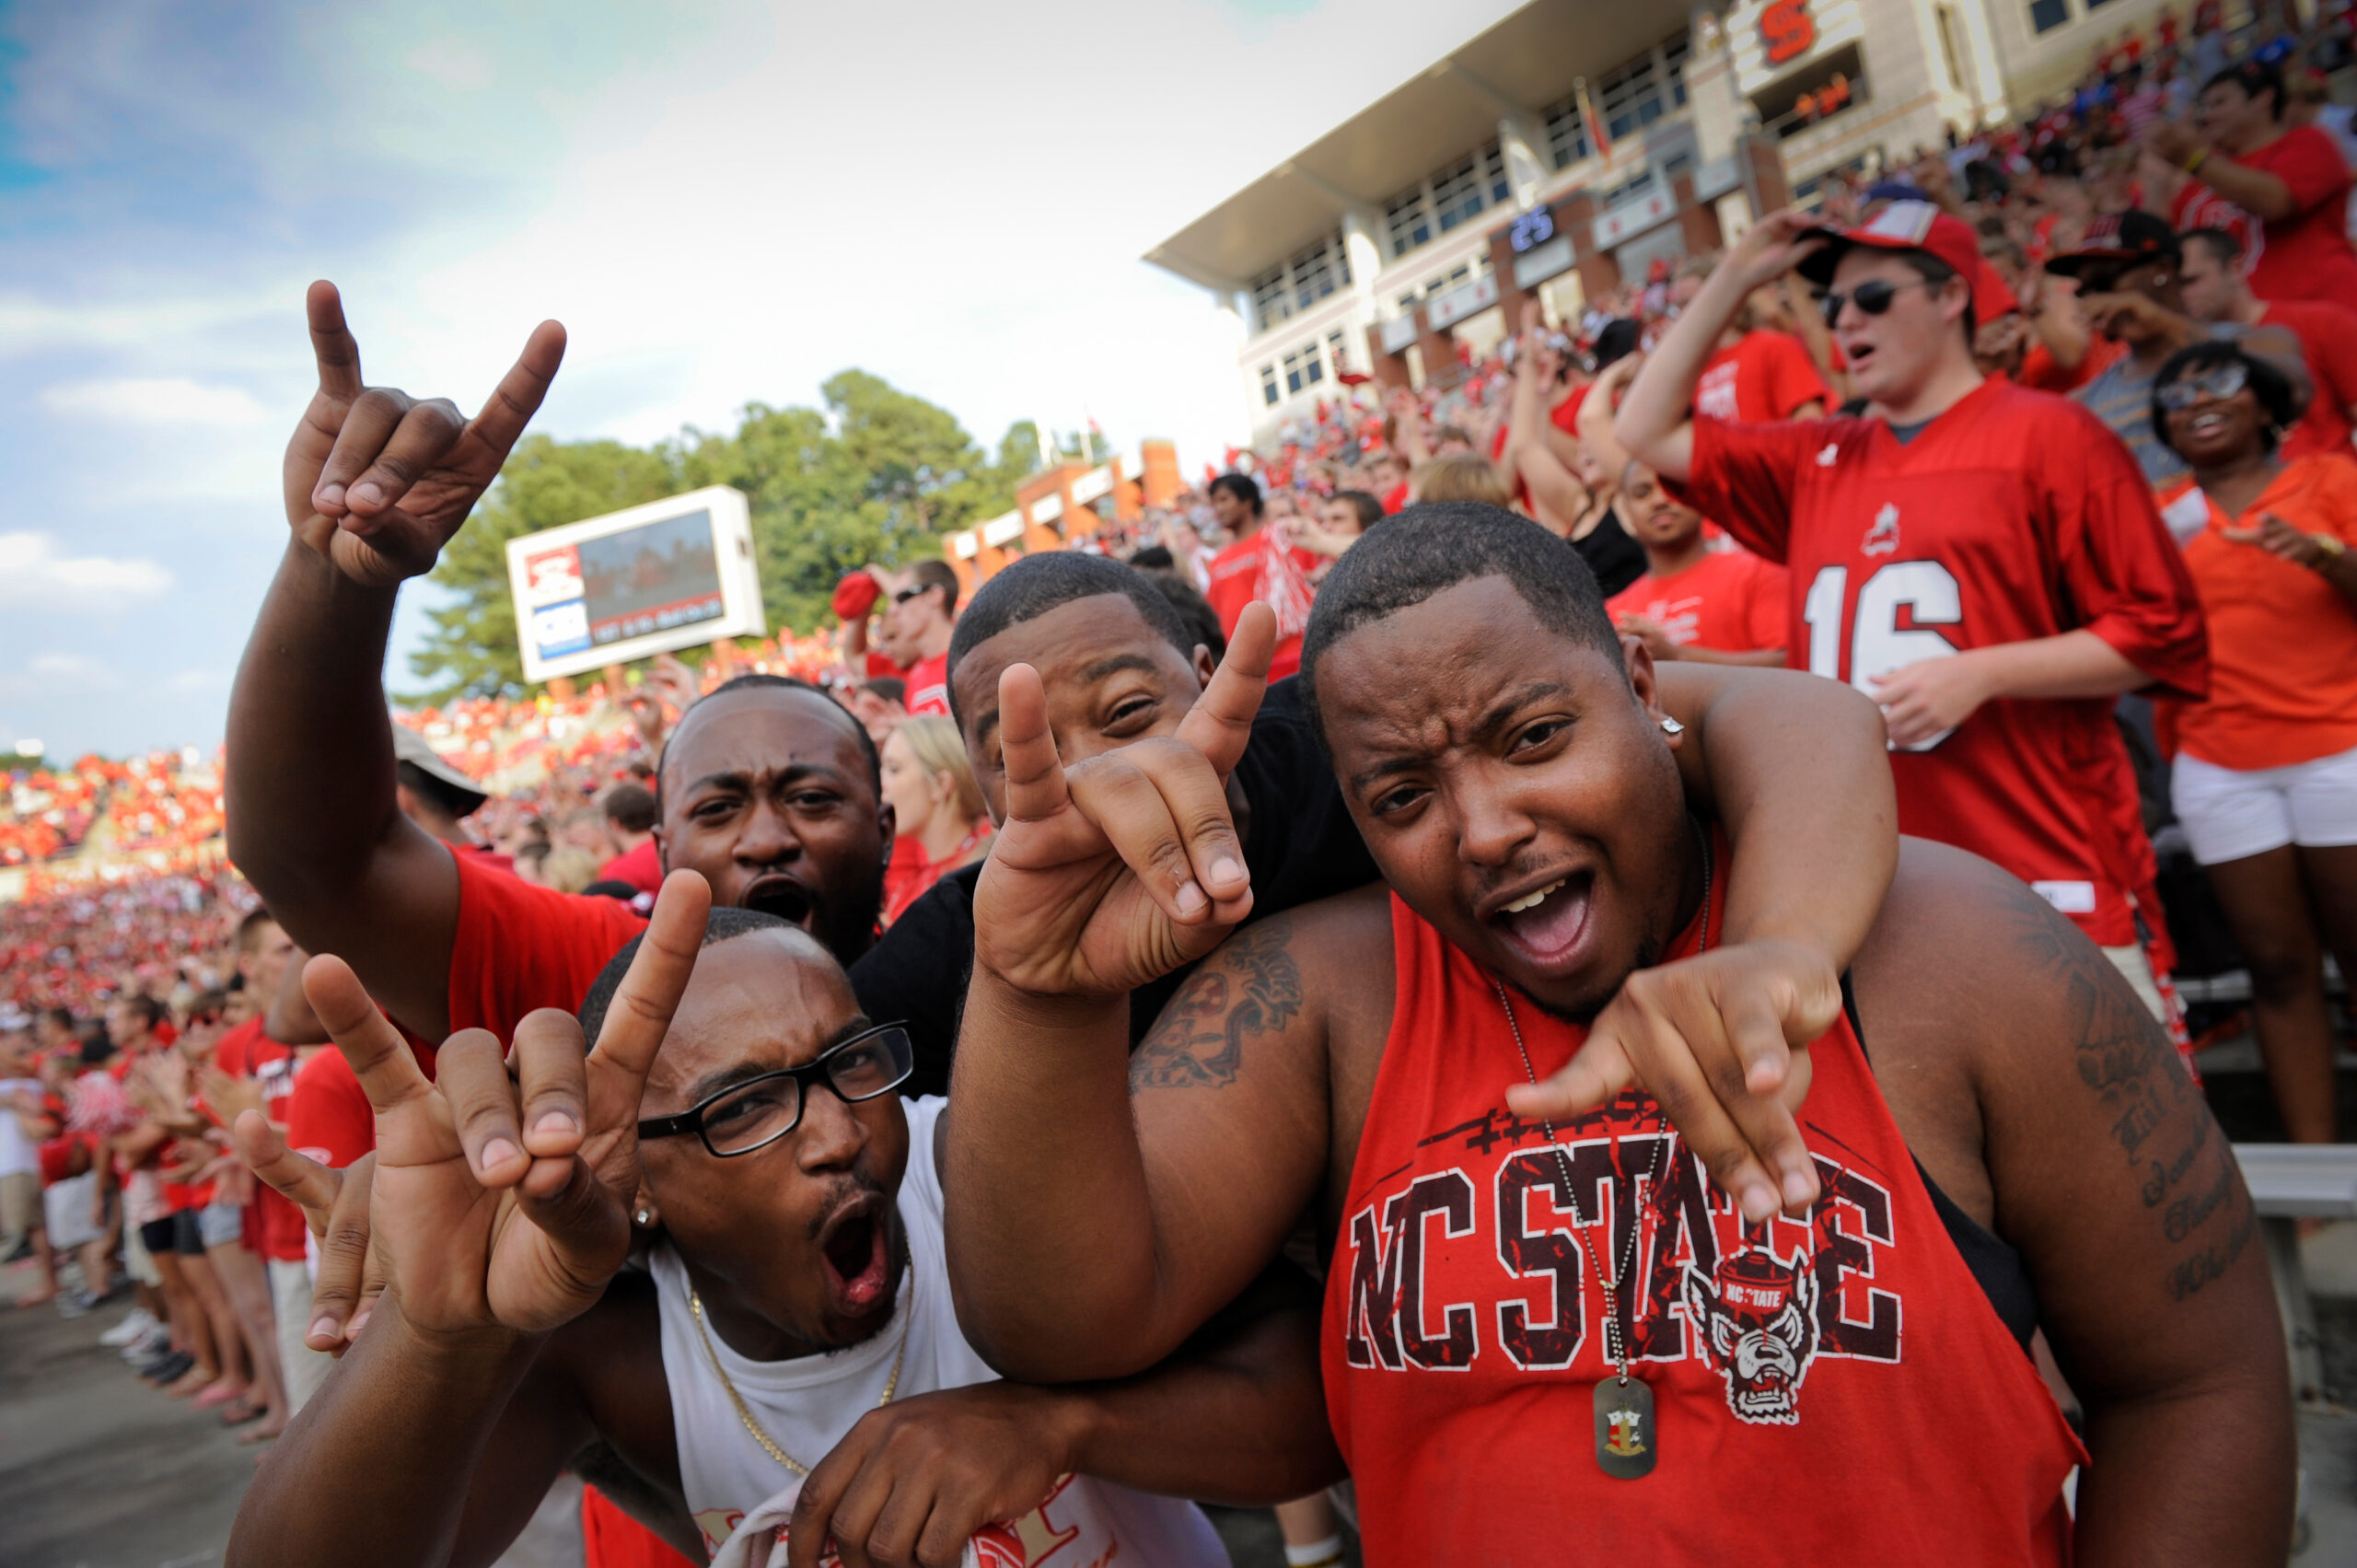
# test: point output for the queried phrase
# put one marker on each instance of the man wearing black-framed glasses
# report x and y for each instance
(792, 1328)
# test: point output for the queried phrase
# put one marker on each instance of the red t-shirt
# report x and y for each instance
(641, 868)
(2196, 205)
(1565, 415)
(1766, 375)
(327, 1116)
(1730, 601)
(521, 947)
(247, 1052)
(928, 683)
(2014, 515)
(1396, 498)
(2327, 335)
(1236, 578)
(2307, 255)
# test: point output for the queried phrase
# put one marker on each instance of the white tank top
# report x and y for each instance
(808, 1404)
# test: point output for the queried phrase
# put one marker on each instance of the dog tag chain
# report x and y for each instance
(1625, 1434)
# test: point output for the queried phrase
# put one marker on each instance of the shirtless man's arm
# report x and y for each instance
(2042, 1097)
(375, 484)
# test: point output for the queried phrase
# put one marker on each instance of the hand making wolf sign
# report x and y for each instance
(500, 1201)
(377, 480)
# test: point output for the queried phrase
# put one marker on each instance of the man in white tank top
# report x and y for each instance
(793, 1328)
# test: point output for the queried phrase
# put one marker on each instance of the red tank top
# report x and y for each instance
(1832, 1390)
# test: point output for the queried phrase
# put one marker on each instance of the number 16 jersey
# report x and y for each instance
(2014, 515)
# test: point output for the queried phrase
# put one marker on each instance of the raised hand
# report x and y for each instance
(502, 1204)
(376, 482)
(1774, 245)
(1127, 866)
(1720, 1040)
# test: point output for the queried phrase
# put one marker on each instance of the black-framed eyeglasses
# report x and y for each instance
(758, 1113)
(1873, 297)
(2222, 381)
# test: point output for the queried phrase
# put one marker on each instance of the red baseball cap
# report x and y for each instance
(1901, 226)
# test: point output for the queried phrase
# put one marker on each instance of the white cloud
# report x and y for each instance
(32, 573)
(74, 669)
(453, 62)
(191, 682)
(156, 400)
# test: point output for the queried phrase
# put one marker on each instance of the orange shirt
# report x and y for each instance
(2283, 640)
(1730, 601)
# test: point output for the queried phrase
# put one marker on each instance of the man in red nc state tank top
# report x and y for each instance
(1550, 1335)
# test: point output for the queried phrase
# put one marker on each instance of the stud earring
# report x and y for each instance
(645, 1217)
(1671, 726)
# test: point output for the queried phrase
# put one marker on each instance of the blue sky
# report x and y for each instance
(723, 201)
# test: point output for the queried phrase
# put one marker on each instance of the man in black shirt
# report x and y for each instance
(1118, 664)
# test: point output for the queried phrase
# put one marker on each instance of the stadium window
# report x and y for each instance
(1269, 383)
(1494, 167)
(1408, 221)
(1673, 60)
(1408, 302)
(2045, 16)
(1567, 140)
(1271, 303)
(1631, 97)
(1338, 351)
(1293, 372)
(1313, 370)
(1313, 273)
(1457, 194)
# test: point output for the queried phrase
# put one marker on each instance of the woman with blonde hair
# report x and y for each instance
(940, 821)
(1461, 476)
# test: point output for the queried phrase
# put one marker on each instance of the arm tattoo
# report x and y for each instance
(1251, 987)
(2158, 1119)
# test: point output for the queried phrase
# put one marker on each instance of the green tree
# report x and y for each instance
(876, 475)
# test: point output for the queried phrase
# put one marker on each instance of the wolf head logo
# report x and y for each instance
(1883, 538)
(1756, 1318)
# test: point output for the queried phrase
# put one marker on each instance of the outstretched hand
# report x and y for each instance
(377, 480)
(499, 1204)
(1720, 1040)
(1125, 866)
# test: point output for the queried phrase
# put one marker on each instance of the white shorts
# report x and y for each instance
(2233, 813)
(68, 1204)
(290, 1300)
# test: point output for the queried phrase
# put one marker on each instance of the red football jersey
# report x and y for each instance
(2014, 515)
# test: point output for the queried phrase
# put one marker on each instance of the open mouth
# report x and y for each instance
(783, 897)
(858, 1266)
(2205, 427)
(1548, 926)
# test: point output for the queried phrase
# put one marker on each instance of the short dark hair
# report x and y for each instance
(2254, 78)
(1242, 486)
(726, 922)
(1202, 620)
(249, 931)
(1369, 509)
(1030, 588)
(891, 688)
(2267, 383)
(447, 797)
(931, 573)
(2223, 248)
(760, 681)
(207, 1005)
(631, 808)
(1432, 547)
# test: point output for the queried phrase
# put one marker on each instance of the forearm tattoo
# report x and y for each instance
(1250, 987)
(2159, 1120)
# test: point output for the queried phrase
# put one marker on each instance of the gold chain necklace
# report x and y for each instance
(745, 1412)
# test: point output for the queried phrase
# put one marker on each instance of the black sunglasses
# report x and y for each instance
(1873, 297)
(759, 1111)
(904, 595)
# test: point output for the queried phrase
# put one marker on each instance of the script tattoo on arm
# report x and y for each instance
(1250, 987)
(2159, 1120)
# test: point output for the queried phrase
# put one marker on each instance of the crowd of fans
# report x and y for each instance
(2171, 247)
